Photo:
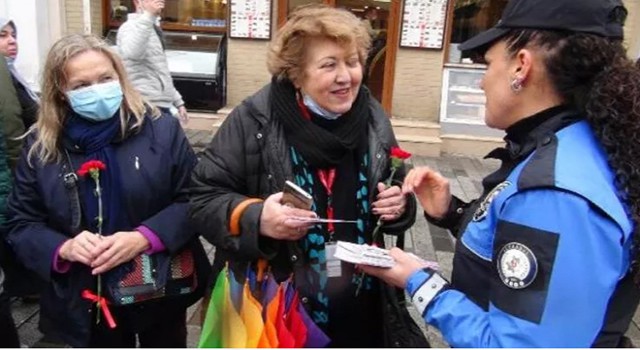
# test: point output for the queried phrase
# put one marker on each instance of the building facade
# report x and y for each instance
(432, 93)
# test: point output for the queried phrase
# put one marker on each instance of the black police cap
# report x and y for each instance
(601, 17)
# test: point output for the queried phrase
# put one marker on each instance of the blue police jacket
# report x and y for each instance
(544, 259)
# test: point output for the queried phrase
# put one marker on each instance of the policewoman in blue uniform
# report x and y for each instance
(547, 256)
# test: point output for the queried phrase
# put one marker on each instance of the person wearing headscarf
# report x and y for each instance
(9, 106)
(15, 120)
(29, 100)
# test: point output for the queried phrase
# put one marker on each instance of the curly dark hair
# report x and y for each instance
(594, 75)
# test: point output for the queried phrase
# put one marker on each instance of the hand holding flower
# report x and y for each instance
(81, 248)
(390, 204)
(92, 169)
(388, 196)
(117, 249)
(397, 158)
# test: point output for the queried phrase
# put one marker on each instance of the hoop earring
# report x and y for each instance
(516, 85)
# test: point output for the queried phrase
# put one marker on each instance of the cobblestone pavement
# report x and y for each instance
(424, 239)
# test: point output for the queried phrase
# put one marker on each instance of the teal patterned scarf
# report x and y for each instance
(313, 244)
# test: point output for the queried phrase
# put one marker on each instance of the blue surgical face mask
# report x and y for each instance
(315, 108)
(96, 102)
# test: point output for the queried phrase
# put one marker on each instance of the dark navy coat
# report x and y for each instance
(155, 166)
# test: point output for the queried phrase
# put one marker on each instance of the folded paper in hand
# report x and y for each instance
(363, 254)
(369, 255)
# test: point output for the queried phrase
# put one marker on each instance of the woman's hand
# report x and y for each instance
(398, 275)
(117, 249)
(431, 189)
(390, 203)
(276, 220)
(81, 248)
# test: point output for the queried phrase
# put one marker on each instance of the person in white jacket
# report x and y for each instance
(141, 46)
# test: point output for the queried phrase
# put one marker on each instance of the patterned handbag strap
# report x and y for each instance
(71, 184)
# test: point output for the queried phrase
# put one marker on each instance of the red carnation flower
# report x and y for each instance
(91, 167)
(398, 155)
(397, 152)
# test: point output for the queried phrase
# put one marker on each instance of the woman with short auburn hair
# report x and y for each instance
(315, 124)
(286, 54)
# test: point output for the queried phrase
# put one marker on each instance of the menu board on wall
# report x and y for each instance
(423, 23)
(250, 19)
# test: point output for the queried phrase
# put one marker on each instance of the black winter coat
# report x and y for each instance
(155, 165)
(249, 158)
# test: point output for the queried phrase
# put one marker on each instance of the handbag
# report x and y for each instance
(399, 328)
(146, 277)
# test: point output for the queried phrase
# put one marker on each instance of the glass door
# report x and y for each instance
(375, 16)
(181, 15)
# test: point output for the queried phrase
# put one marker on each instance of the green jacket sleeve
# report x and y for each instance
(10, 114)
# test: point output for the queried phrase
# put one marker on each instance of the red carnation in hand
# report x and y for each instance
(398, 155)
(91, 167)
(397, 152)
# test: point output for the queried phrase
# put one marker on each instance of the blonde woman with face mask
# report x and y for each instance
(90, 111)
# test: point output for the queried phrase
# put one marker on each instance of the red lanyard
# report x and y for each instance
(327, 178)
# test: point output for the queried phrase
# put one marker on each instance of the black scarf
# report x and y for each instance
(320, 147)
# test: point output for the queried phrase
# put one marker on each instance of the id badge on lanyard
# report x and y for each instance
(334, 265)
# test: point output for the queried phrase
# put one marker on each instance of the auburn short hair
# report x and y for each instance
(286, 56)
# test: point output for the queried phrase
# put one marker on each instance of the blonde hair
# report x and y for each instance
(286, 56)
(54, 107)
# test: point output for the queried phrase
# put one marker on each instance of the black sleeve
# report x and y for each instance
(218, 185)
(453, 219)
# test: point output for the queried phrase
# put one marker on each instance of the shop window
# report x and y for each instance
(292, 4)
(471, 17)
(179, 14)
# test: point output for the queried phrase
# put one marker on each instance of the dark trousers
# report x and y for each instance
(9, 337)
(169, 332)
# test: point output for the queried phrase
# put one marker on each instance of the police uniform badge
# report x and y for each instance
(482, 210)
(517, 266)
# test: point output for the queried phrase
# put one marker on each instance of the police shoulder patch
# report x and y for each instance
(482, 210)
(517, 266)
